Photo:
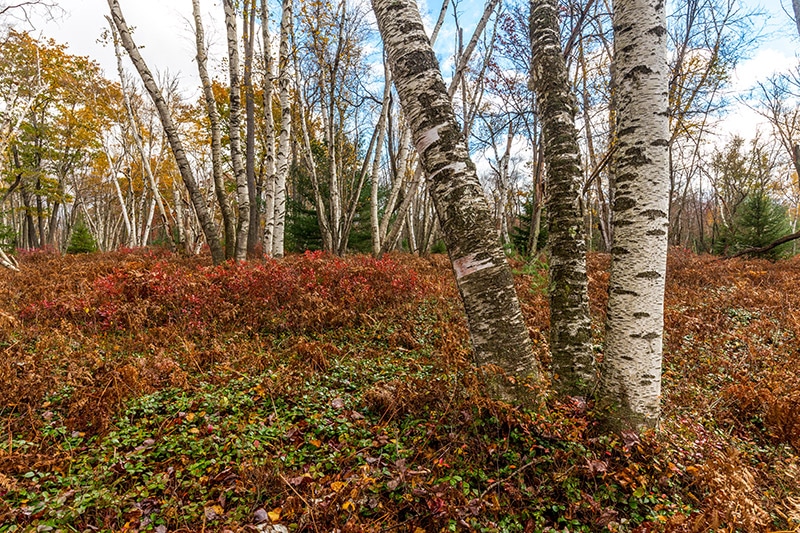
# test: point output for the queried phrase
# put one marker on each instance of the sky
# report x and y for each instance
(163, 28)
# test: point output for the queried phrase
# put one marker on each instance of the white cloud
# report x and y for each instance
(765, 63)
(162, 29)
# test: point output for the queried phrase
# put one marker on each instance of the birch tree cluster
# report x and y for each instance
(299, 141)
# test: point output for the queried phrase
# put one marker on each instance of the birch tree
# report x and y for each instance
(196, 195)
(631, 377)
(228, 222)
(570, 324)
(497, 329)
(269, 134)
(137, 136)
(282, 160)
(234, 134)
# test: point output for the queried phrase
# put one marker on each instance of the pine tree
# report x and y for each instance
(82, 241)
(761, 222)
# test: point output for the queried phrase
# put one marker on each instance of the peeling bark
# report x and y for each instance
(498, 331)
(631, 377)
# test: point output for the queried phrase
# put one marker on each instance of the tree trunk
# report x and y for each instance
(137, 136)
(498, 331)
(200, 207)
(269, 148)
(234, 135)
(250, 124)
(376, 162)
(631, 377)
(284, 61)
(570, 324)
(216, 137)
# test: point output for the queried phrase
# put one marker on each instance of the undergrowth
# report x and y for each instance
(144, 392)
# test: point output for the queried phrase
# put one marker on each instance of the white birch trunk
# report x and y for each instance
(234, 135)
(198, 200)
(112, 172)
(631, 377)
(269, 138)
(498, 332)
(216, 136)
(376, 162)
(284, 61)
(179, 216)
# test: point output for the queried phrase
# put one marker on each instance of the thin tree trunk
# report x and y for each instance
(498, 331)
(234, 135)
(250, 127)
(284, 61)
(631, 377)
(112, 172)
(464, 57)
(228, 222)
(570, 324)
(269, 148)
(382, 125)
(400, 171)
(207, 223)
(137, 136)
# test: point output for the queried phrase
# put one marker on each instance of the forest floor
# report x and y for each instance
(144, 392)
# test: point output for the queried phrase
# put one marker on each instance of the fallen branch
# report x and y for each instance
(768, 247)
(8, 261)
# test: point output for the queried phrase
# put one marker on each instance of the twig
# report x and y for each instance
(308, 505)
(599, 168)
(515, 473)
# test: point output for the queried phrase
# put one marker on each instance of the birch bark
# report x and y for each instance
(286, 127)
(198, 201)
(234, 135)
(250, 125)
(570, 324)
(137, 136)
(497, 329)
(216, 137)
(269, 149)
(631, 377)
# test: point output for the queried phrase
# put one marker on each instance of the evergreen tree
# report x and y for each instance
(762, 221)
(521, 232)
(82, 241)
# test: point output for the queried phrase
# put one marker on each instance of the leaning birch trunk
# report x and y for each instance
(631, 374)
(216, 137)
(198, 201)
(497, 329)
(286, 127)
(570, 324)
(269, 137)
(376, 162)
(137, 136)
(8, 261)
(234, 135)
